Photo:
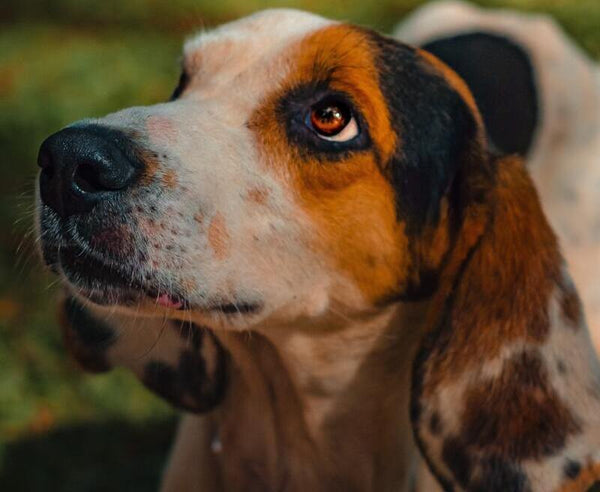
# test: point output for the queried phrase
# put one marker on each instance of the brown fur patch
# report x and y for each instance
(218, 237)
(350, 201)
(258, 195)
(506, 288)
(169, 179)
(517, 414)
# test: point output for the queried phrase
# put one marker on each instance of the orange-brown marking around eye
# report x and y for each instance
(218, 237)
(350, 201)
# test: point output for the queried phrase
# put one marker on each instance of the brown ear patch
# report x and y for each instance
(517, 414)
(507, 420)
(495, 302)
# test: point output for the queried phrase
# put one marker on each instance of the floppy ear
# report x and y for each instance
(506, 384)
(500, 74)
(181, 362)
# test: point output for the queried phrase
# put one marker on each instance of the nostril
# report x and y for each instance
(86, 178)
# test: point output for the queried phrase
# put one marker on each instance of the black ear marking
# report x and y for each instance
(434, 127)
(196, 384)
(500, 74)
(89, 330)
(86, 337)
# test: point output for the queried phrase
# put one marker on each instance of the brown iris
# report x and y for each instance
(329, 118)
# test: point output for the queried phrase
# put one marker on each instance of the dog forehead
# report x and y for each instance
(237, 45)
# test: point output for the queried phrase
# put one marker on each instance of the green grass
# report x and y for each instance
(61, 60)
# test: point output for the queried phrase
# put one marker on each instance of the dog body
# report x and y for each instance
(311, 234)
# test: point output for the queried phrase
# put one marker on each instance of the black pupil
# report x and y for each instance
(331, 118)
(330, 114)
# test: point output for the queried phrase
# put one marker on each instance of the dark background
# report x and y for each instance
(61, 60)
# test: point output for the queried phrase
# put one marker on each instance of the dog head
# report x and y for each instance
(301, 165)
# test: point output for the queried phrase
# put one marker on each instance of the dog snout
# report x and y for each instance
(82, 166)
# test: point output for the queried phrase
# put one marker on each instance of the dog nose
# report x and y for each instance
(82, 166)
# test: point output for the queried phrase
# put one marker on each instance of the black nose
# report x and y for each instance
(82, 166)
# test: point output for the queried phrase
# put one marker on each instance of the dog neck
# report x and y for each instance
(506, 386)
(325, 409)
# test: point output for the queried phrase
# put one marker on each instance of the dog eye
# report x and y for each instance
(332, 120)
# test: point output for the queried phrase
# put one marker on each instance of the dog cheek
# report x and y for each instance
(161, 131)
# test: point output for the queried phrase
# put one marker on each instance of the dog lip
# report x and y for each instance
(114, 286)
(237, 308)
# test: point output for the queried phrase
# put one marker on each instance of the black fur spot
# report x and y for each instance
(499, 476)
(435, 424)
(561, 366)
(595, 487)
(433, 124)
(90, 331)
(501, 77)
(456, 458)
(572, 469)
(189, 386)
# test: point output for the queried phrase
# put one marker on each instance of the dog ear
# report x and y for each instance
(500, 74)
(181, 362)
(506, 385)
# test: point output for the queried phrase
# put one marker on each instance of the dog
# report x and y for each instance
(317, 252)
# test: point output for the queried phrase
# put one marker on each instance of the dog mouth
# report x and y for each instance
(120, 278)
(106, 284)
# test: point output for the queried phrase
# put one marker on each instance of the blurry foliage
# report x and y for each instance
(62, 60)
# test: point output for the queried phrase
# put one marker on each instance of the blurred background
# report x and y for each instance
(61, 60)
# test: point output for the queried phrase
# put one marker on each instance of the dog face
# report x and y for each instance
(301, 166)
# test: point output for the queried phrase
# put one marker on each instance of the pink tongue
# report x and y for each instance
(168, 302)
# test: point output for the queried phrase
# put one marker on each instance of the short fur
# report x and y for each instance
(300, 294)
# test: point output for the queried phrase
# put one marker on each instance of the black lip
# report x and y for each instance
(237, 308)
(105, 284)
